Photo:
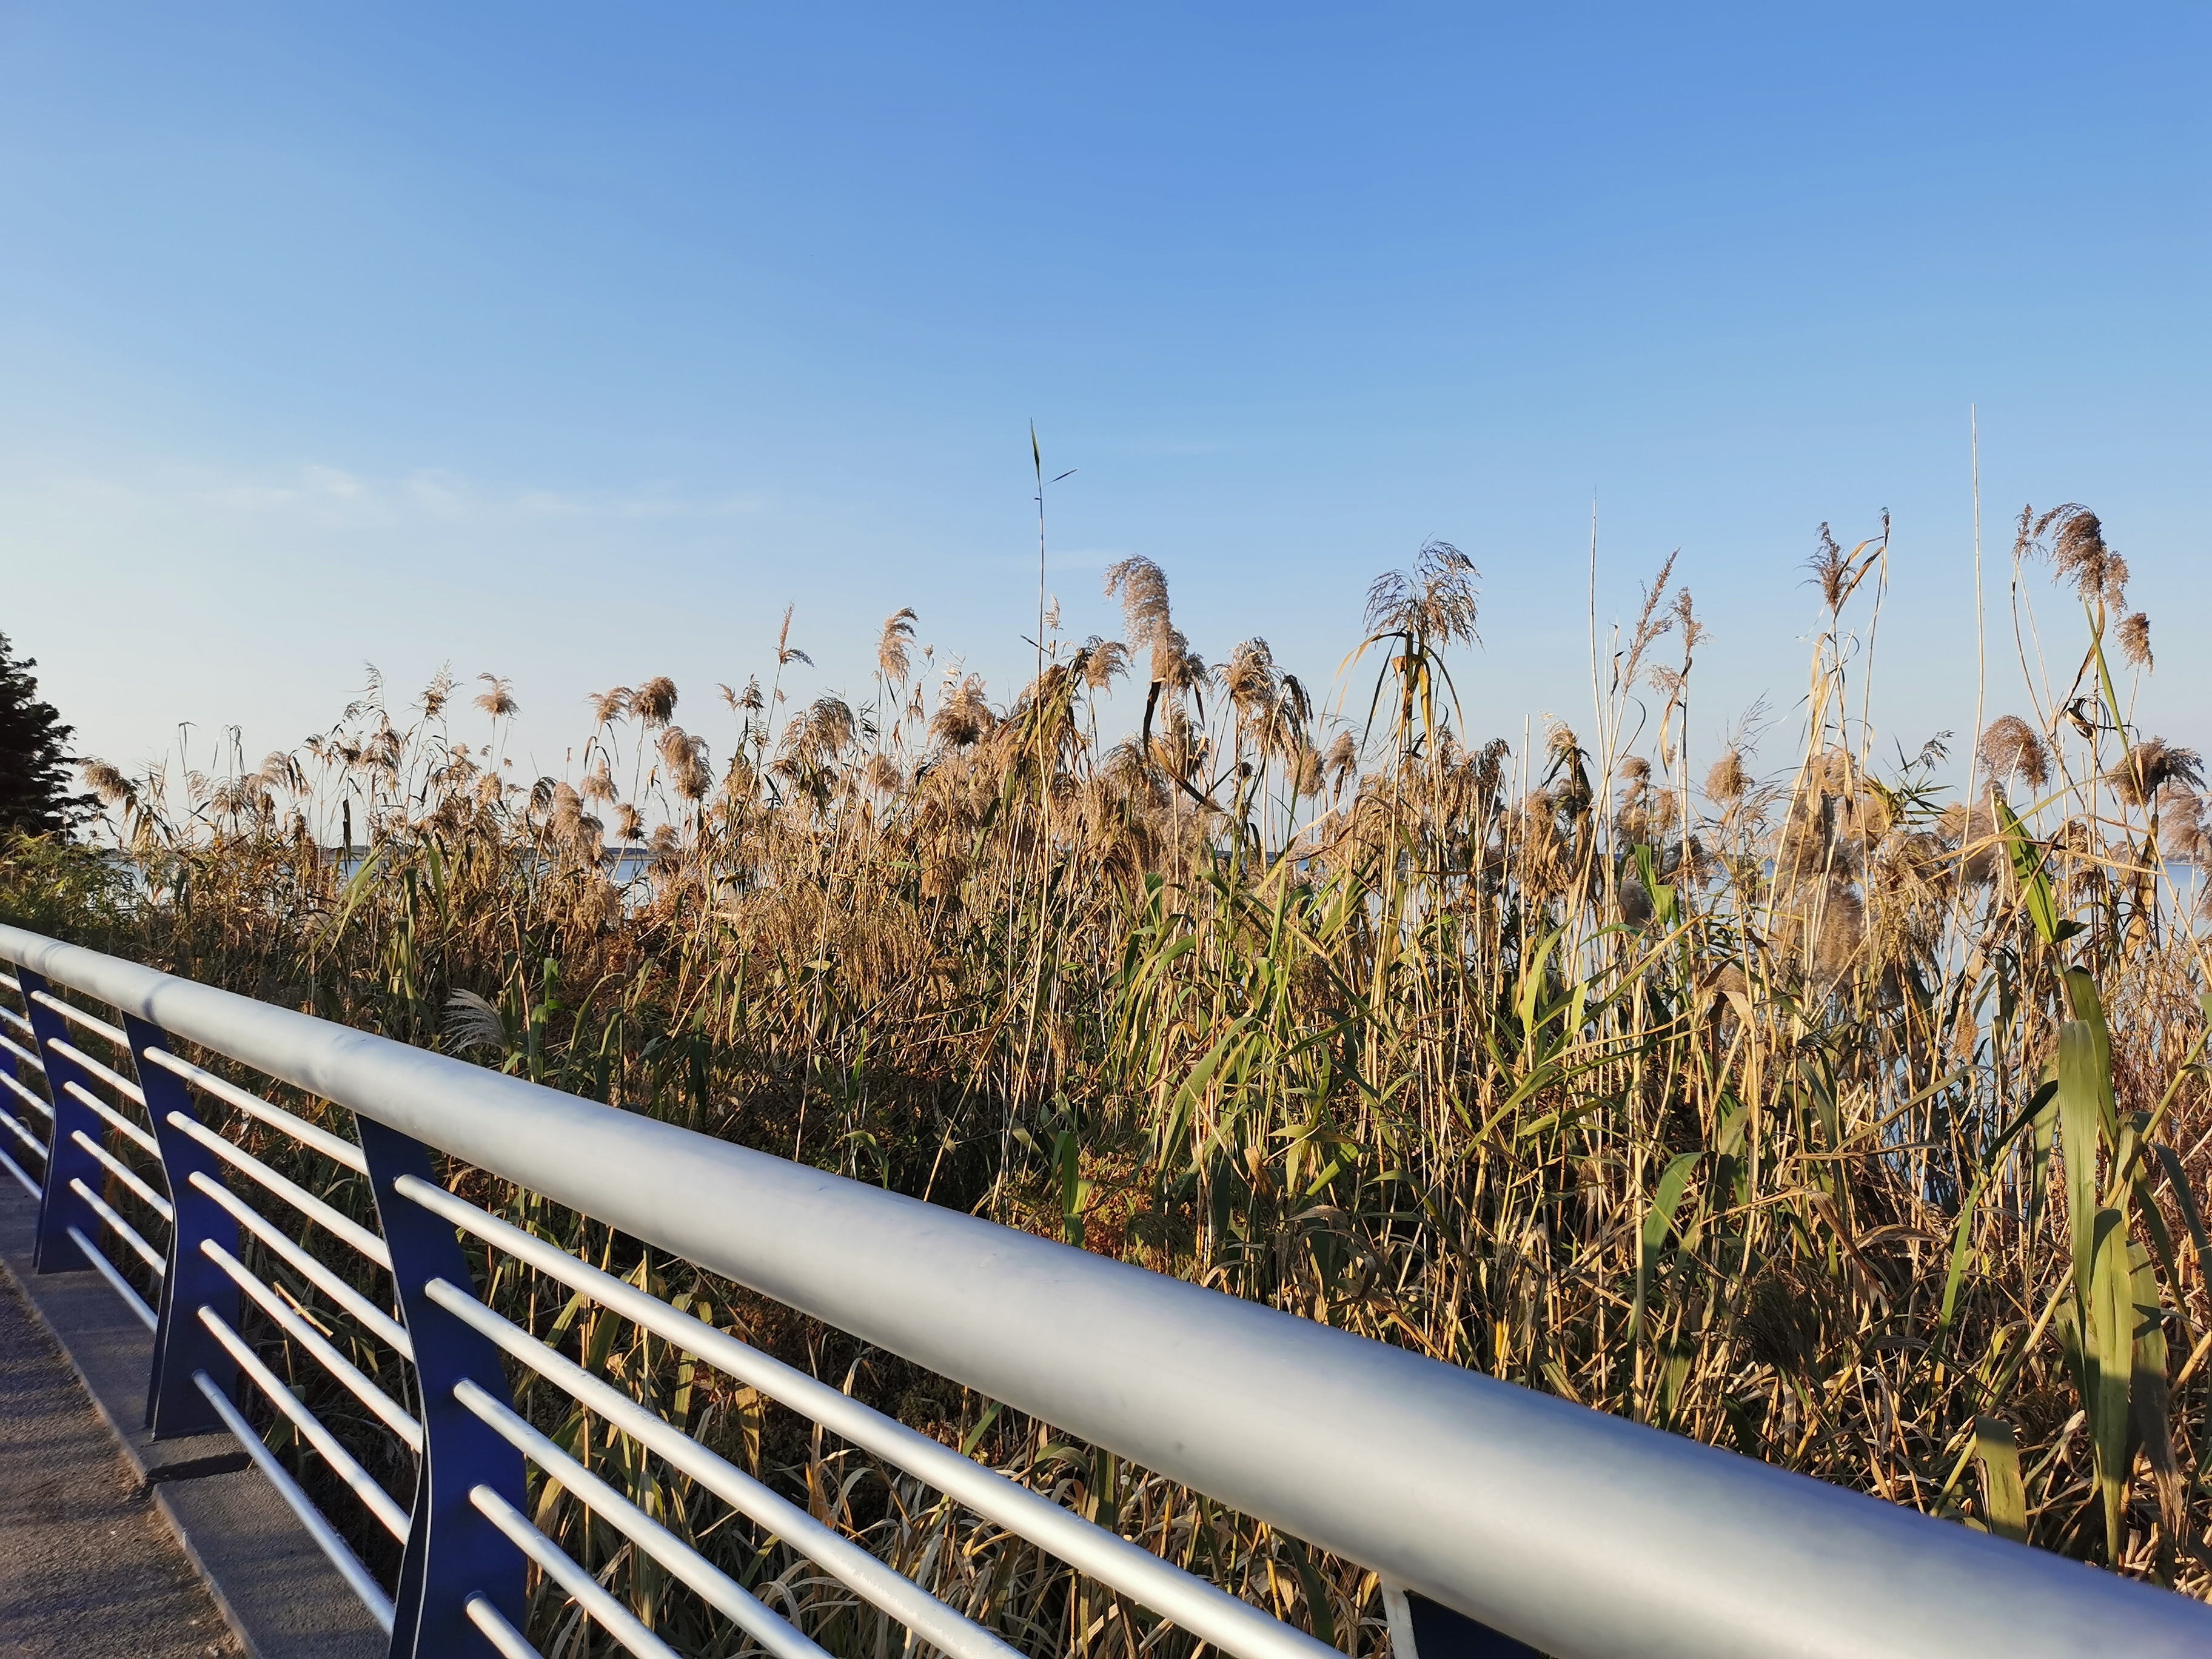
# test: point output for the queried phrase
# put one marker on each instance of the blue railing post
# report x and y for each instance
(453, 1552)
(182, 1345)
(59, 1208)
(1440, 1633)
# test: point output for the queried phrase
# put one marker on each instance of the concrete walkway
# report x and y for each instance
(88, 1564)
(112, 1543)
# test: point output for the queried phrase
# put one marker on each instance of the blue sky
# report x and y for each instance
(575, 342)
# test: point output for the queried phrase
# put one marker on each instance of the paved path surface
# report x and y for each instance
(89, 1568)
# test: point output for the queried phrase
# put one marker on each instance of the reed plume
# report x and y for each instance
(2011, 747)
(497, 698)
(653, 703)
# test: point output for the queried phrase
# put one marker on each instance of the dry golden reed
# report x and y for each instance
(1732, 1110)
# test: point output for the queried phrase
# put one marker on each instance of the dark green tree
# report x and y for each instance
(34, 757)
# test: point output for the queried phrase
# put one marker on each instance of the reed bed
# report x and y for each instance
(1810, 1109)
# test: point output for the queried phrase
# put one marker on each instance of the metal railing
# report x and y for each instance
(1576, 1533)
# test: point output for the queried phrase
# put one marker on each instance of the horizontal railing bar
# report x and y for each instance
(20, 1023)
(937, 1624)
(351, 1232)
(714, 1586)
(396, 1417)
(77, 1016)
(128, 1176)
(26, 1097)
(16, 1170)
(22, 1133)
(116, 1282)
(330, 1146)
(373, 1497)
(941, 1627)
(107, 1074)
(152, 1257)
(12, 1047)
(1583, 1535)
(326, 1535)
(505, 1640)
(585, 1590)
(115, 1120)
(1204, 1609)
(388, 1329)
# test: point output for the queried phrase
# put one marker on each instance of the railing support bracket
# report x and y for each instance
(453, 1552)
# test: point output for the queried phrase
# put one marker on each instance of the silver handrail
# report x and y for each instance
(1585, 1535)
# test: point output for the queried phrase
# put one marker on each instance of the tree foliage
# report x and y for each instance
(34, 757)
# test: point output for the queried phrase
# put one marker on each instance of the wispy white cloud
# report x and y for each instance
(323, 494)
